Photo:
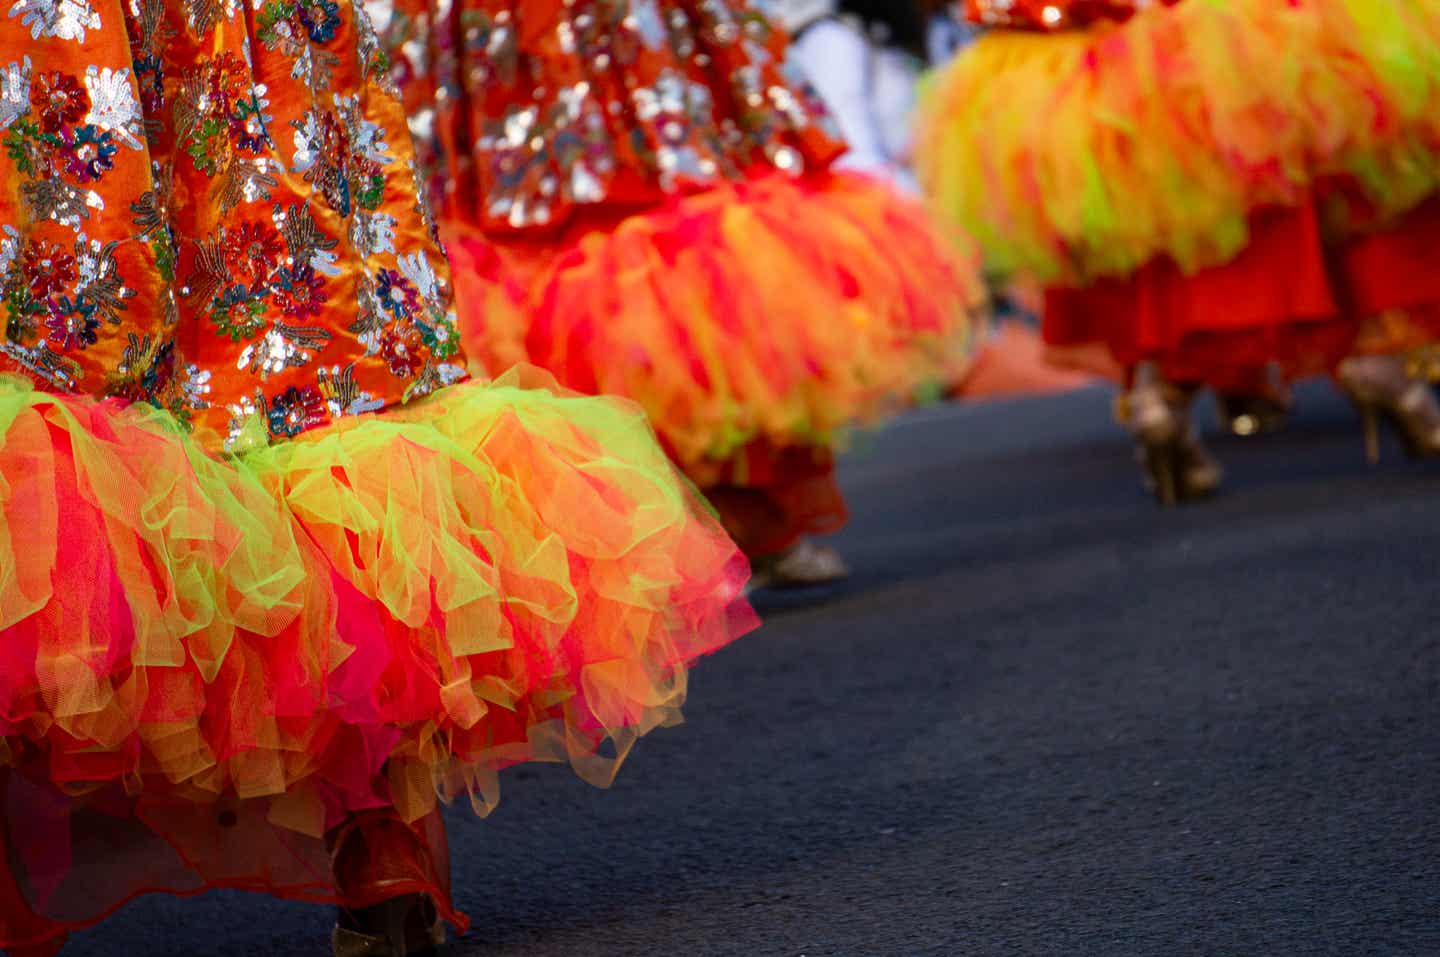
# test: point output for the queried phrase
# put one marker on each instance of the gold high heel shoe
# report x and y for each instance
(1176, 464)
(1382, 388)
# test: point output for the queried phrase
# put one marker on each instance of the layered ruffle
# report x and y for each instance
(1083, 155)
(545, 606)
(1373, 174)
(774, 310)
(383, 613)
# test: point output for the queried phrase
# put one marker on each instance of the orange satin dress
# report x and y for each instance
(215, 217)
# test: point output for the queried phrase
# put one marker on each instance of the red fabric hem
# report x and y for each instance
(101, 853)
(1285, 300)
(1394, 267)
(1272, 303)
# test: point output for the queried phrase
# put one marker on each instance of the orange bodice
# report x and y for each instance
(210, 206)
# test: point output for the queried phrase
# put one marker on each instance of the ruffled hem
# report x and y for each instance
(774, 309)
(1084, 155)
(382, 613)
(74, 860)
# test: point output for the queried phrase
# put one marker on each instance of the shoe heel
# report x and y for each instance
(1162, 463)
(1370, 422)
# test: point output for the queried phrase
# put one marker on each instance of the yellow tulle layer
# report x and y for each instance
(390, 611)
(1391, 163)
(1079, 155)
(776, 309)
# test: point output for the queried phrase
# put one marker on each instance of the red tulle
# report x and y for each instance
(209, 666)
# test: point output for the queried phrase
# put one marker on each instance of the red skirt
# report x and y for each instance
(1286, 300)
(1388, 277)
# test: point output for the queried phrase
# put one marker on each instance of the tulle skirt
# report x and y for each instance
(775, 311)
(223, 659)
(1084, 155)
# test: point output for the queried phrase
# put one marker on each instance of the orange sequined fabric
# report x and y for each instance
(530, 111)
(211, 208)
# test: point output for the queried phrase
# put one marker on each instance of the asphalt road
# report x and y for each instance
(1045, 717)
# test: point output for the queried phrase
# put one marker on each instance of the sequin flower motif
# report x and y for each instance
(295, 410)
(46, 269)
(300, 292)
(397, 296)
(56, 299)
(254, 250)
(87, 153)
(342, 154)
(58, 100)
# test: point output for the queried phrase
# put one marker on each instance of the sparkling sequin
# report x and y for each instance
(150, 200)
(594, 100)
(113, 106)
(61, 19)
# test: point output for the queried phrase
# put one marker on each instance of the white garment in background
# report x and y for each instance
(869, 91)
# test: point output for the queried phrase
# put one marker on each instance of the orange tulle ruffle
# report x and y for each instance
(775, 310)
(385, 613)
(500, 575)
